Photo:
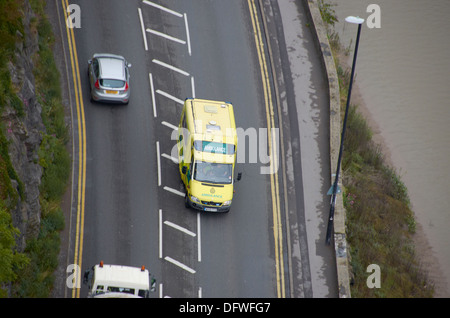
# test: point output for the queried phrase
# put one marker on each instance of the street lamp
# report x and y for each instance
(335, 188)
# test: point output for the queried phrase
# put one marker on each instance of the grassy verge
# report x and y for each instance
(380, 222)
(31, 273)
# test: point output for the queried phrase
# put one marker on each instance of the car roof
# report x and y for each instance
(111, 66)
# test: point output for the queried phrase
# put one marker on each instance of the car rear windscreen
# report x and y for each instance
(112, 83)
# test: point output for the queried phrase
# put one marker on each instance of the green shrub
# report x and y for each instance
(10, 260)
(55, 160)
(327, 13)
(36, 280)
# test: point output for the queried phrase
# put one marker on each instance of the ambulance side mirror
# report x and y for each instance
(239, 176)
(184, 170)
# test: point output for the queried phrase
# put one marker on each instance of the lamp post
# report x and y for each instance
(335, 188)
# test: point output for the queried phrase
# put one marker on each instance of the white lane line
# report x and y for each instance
(179, 101)
(173, 68)
(174, 160)
(165, 123)
(158, 158)
(180, 228)
(163, 8)
(168, 37)
(144, 35)
(152, 89)
(161, 294)
(199, 239)
(193, 86)
(181, 194)
(160, 234)
(187, 34)
(200, 293)
(179, 264)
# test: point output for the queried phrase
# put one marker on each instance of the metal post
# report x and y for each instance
(334, 187)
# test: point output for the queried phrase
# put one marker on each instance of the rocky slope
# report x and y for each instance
(24, 129)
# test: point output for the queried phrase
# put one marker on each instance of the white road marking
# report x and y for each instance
(179, 264)
(174, 160)
(193, 86)
(166, 36)
(144, 35)
(158, 158)
(180, 228)
(181, 194)
(160, 234)
(179, 101)
(187, 34)
(199, 239)
(165, 123)
(152, 89)
(163, 8)
(173, 68)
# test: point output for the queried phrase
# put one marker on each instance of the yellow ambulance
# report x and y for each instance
(207, 144)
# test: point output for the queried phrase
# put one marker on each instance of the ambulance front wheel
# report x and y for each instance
(186, 201)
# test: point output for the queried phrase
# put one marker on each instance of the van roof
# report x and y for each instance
(122, 276)
(213, 116)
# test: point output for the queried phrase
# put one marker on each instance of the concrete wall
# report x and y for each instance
(340, 241)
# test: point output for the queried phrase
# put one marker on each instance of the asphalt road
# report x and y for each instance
(134, 212)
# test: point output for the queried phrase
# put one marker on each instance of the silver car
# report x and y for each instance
(109, 78)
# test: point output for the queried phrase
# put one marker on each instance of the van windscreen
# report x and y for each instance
(213, 172)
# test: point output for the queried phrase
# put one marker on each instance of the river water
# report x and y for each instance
(403, 76)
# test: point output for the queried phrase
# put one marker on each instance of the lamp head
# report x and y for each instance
(355, 20)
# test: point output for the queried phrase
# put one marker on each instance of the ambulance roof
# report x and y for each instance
(213, 117)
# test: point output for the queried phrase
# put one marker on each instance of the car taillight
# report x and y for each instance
(97, 86)
(126, 86)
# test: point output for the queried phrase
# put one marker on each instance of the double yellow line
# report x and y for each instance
(277, 227)
(79, 232)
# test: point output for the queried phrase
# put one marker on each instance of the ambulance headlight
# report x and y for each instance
(194, 199)
(226, 203)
